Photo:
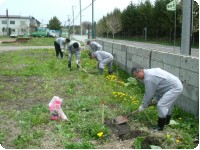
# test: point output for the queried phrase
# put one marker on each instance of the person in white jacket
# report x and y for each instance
(73, 47)
(60, 45)
(103, 58)
(94, 46)
(161, 85)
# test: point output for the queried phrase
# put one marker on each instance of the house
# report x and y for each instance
(18, 24)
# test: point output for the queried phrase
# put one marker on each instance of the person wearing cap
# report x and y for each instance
(94, 46)
(103, 58)
(74, 47)
(161, 85)
(60, 44)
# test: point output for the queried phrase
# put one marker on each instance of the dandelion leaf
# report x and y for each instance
(131, 82)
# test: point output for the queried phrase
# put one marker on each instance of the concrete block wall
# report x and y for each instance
(184, 67)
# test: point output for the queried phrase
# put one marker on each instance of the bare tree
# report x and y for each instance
(113, 21)
(102, 27)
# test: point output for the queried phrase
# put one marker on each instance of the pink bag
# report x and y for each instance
(56, 110)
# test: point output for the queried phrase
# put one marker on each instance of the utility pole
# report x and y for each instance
(7, 26)
(73, 18)
(68, 27)
(187, 27)
(92, 19)
(80, 19)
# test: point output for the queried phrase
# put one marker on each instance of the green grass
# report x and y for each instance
(34, 41)
(30, 78)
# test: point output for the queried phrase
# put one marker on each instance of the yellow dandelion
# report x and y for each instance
(100, 134)
(168, 136)
(177, 140)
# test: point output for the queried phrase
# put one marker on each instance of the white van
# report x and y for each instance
(52, 33)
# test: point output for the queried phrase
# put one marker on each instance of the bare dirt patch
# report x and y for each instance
(125, 136)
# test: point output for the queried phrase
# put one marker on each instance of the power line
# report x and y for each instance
(83, 10)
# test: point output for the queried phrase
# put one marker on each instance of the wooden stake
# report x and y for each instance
(102, 111)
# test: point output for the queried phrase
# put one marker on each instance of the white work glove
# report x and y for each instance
(141, 108)
(62, 51)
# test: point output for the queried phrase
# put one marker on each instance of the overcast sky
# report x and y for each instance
(44, 10)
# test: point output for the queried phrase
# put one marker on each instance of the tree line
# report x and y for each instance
(139, 21)
(154, 20)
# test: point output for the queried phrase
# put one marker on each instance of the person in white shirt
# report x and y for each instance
(103, 58)
(73, 47)
(94, 46)
(161, 85)
(60, 44)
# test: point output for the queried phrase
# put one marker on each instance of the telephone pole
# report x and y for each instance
(80, 19)
(187, 25)
(92, 19)
(68, 27)
(73, 18)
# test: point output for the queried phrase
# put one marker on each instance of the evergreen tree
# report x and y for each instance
(54, 24)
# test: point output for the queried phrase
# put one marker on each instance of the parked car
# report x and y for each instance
(52, 33)
(14, 34)
(40, 32)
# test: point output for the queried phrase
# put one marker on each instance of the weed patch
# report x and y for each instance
(28, 81)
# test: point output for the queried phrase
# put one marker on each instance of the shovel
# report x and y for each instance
(123, 119)
(81, 67)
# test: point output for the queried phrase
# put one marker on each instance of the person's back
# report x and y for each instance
(101, 55)
(96, 46)
(60, 44)
(161, 77)
(60, 40)
(72, 42)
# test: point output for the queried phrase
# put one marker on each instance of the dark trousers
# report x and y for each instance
(58, 50)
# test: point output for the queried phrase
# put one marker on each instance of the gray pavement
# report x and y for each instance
(165, 48)
(83, 38)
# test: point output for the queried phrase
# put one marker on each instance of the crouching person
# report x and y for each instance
(103, 58)
(60, 44)
(163, 86)
(94, 46)
(74, 47)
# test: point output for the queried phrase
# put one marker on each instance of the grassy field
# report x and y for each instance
(34, 41)
(30, 78)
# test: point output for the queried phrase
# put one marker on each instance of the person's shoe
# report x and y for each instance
(78, 67)
(161, 123)
(110, 72)
(167, 121)
(101, 71)
(69, 66)
(157, 129)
